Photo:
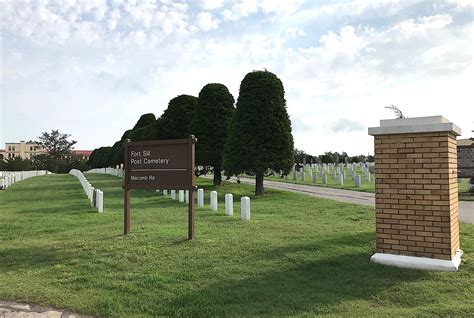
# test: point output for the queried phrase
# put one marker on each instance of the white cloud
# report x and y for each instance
(347, 125)
(88, 21)
(87, 32)
(211, 4)
(242, 9)
(205, 21)
(114, 16)
(295, 32)
(349, 69)
(280, 8)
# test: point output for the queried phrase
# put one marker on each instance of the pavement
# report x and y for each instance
(466, 208)
(10, 309)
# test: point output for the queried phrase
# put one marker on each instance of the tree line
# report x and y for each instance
(251, 137)
(301, 157)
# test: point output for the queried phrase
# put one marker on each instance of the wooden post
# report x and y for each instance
(126, 192)
(191, 217)
(126, 211)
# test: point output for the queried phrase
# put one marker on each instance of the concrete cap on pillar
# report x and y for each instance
(415, 125)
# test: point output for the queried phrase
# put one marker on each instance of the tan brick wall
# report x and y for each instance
(416, 194)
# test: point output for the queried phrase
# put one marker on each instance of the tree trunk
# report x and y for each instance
(217, 176)
(259, 184)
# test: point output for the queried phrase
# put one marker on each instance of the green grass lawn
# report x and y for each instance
(463, 191)
(298, 256)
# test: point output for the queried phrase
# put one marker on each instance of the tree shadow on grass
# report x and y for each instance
(299, 285)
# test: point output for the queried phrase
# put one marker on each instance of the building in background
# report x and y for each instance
(465, 154)
(84, 154)
(24, 150)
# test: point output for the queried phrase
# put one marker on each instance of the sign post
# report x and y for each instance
(161, 164)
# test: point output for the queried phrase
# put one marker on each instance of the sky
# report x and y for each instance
(91, 68)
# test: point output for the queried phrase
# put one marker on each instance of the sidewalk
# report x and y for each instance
(15, 310)
(466, 208)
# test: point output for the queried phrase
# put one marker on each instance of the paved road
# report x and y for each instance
(466, 208)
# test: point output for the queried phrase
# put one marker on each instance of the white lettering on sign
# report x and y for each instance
(147, 161)
(156, 161)
(141, 178)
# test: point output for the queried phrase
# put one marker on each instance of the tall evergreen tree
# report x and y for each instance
(259, 136)
(177, 119)
(214, 112)
(116, 154)
(144, 120)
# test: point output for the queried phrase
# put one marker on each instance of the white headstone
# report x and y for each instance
(341, 179)
(325, 179)
(186, 196)
(357, 181)
(315, 176)
(200, 198)
(100, 201)
(173, 194)
(91, 195)
(181, 195)
(245, 208)
(213, 200)
(165, 192)
(229, 204)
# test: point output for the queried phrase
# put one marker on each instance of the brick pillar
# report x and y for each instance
(416, 192)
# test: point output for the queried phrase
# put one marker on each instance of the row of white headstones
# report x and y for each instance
(7, 178)
(95, 196)
(183, 196)
(338, 172)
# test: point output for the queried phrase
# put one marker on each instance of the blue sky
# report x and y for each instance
(91, 68)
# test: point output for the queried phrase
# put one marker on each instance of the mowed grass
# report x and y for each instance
(298, 256)
(464, 195)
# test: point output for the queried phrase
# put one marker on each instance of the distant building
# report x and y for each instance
(84, 154)
(466, 158)
(2, 154)
(24, 150)
(466, 142)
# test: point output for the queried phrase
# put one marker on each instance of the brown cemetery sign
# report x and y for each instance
(160, 164)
